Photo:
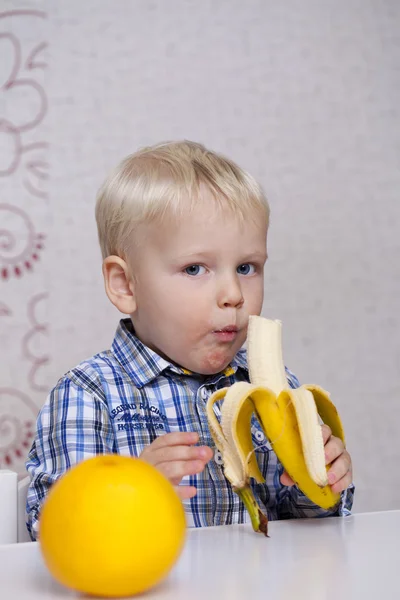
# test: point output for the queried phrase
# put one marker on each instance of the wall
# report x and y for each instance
(303, 94)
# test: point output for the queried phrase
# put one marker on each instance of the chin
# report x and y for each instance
(213, 364)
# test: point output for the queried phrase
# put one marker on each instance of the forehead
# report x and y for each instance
(206, 209)
(207, 228)
(210, 216)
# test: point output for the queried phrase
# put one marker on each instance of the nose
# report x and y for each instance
(230, 293)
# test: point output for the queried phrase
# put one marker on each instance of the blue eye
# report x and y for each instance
(194, 270)
(246, 269)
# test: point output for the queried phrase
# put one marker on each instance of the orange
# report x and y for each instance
(111, 526)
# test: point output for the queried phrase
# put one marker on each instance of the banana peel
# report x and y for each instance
(291, 420)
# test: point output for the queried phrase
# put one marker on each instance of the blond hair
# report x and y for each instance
(166, 179)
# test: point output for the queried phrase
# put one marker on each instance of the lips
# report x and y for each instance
(228, 329)
(227, 334)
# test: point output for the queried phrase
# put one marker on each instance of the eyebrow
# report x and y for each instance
(262, 256)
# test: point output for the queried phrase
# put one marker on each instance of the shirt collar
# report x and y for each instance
(143, 364)
(240, 360)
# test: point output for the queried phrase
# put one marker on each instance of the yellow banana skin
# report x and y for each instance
(236, 447)
(288, 417)
(278, 419)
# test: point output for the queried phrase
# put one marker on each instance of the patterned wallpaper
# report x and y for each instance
(305, 95)
(24, 222)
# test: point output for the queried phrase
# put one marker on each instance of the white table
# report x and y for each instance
(357, 558)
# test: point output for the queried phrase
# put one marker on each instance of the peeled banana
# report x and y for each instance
(290, 420)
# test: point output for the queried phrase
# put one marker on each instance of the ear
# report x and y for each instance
(119, 284)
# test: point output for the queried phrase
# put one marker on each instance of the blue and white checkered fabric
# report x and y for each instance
(120, 400)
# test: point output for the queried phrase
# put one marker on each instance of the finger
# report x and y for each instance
(156, 456)
(286, 479)
(339, 468)
(178, 438)
(326, 433)
(333, 449)
(185, 491)
(343, 483)
(175, 471)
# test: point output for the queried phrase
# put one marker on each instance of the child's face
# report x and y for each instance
(196, 283)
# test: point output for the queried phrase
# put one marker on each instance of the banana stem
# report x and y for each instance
(258, 520)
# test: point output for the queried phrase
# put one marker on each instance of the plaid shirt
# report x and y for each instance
(120, 400)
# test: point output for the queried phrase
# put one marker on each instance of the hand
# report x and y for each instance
(175, 455)
(340, 474)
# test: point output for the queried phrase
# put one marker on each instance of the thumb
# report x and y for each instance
(286, 480)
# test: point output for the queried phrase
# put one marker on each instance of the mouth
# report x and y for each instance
(227, 334)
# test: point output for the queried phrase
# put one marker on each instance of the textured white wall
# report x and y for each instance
(305, 95)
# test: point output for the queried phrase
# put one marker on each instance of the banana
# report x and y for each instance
(291, 420)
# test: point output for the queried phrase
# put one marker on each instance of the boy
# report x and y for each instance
(183, 236)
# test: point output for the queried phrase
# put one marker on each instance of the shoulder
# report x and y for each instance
(92, 376)
(292, 379)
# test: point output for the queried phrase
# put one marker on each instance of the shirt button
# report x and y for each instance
(218, 457)
(260, 437)
(204, 393)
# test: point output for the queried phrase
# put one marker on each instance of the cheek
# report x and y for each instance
(254, 295)
(178, 305)
(189, 295)
(158, 293)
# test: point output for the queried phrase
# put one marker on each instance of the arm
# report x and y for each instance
(72, 425)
